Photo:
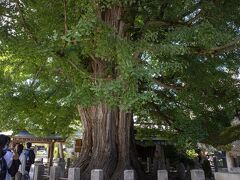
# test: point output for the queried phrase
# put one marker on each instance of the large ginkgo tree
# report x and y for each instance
(173, 64)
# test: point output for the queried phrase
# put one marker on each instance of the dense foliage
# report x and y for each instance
(175, 67)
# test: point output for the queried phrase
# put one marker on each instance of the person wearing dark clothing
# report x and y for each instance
(22, 173)
(9, 160)
(3, 163)
(30, 155)
(207, 169)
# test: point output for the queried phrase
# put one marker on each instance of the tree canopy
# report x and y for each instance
(176, 64)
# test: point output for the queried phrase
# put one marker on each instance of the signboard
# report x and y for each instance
(78, 145)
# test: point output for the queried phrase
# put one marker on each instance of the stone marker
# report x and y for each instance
(74, 174)
(197, 174)
(129, 175)
(38, 172)
(162, 175)
(97, 174)
(148, 164)
(60, 162)
(226, 176)
(55, 172)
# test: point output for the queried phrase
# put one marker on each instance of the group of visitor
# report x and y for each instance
(15, 161)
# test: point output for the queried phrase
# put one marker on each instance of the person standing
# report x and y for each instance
(22, 174)
(30, 156)
(9, 161)
(8, 155)
(3, 162)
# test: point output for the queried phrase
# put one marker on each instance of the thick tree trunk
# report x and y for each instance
(108, 132)
(86, 115)
(107, 142)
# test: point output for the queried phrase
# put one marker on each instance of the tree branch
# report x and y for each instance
(192, 9)
(73, 65)
(174, 23)
(164, 117)
(37, 74)
(25, 26)
(157, 81)
(65, 16)
(227, 136)
(165, 23)
(167, 86)
(192, 20)
(221, 49)
(79, 70)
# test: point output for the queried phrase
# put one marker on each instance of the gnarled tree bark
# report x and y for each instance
(108, 141)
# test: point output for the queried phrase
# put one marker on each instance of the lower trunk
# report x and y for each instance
(108, 143)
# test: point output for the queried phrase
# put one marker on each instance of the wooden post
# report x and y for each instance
(58, 151)
(49, 144)
(74, 174)
(51, 153)
(60, 146)
(35, 149)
